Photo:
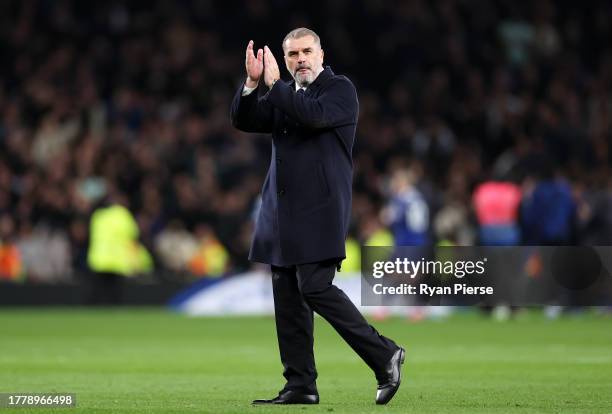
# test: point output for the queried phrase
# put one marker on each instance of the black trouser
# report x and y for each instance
(298, 291)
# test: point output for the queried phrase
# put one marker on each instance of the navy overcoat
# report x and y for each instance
(306, 197)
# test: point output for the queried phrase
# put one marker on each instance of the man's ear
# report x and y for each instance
(322, 56)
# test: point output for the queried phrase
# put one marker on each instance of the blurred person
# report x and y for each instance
(10, 262)
(452, 225)
(548, 218)
(211, 259)
(547, 211)
(496, 204)
(352, 262)
(375, 234)
(11, 266)
(305, 212)
(175, 246)
(114, 251)
(517, 35)
(45, 252)
(407, 213)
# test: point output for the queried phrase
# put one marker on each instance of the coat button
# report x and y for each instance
(279, 161)
(280, 192)
(285, 131)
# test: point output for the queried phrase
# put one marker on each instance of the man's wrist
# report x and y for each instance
(273, 82)
(250, 83)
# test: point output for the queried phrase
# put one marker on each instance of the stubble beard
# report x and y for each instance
(303, 80)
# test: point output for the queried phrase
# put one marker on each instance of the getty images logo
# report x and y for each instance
(413, 268)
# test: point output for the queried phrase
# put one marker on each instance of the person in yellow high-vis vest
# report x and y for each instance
(114, 252)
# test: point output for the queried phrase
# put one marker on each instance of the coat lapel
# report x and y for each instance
(319, 81)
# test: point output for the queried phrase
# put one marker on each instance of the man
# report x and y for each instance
(305, 211)
(114, 250)
(407, 213)
(407, 216)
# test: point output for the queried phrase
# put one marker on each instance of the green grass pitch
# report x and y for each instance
(155, 361)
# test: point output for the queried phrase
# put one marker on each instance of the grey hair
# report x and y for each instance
(301, 32)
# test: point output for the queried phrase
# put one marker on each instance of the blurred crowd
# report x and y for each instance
(132, 98)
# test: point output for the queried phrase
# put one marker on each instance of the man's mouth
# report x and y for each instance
(303, 70)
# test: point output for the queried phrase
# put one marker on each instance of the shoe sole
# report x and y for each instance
(271, 402)
(399, 381)
(285, 403)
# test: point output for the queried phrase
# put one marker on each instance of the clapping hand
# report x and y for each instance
(254, 65)
(271, 71)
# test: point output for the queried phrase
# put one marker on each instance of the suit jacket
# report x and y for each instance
(306, 197)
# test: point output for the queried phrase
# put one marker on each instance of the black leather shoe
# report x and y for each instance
(392, 377)
(291, 397)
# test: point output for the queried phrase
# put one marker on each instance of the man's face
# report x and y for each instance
(304, 59)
